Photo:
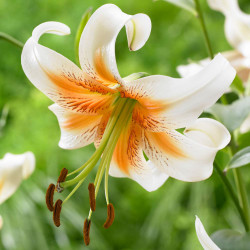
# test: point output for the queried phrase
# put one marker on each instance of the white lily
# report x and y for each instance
(126, 118)
(13, 169)
(203, 237)
(237, 24)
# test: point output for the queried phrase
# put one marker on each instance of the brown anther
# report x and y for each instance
(57, 212)
(63, 175)
(49, 197)
(110, 215)
(92, 200)
(86, 230)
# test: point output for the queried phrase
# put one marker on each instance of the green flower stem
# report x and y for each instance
(242, 193)
(122, 110)
(11, 39)
(232, 195)
(204, 29)
(111, 123)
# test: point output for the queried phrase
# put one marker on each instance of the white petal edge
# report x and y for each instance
(186, 98)
(100, 33)
(225, 6)
(80, 136)
(151, 177)
(13, 169)
(187, 157)
(203, 237)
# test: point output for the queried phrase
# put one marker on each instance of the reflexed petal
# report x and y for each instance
(187, 157)
(60, 79)
(97, 43)
(203, 237)
(13, 169)
(237, 60)
(77, 130)
(245, 127)
(129, 161)
(179, 102)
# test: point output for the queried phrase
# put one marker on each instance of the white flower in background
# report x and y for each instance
(237, 24)
(13, 169)
(237, 31)
(203, 237)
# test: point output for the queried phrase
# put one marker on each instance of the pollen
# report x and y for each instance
(92, 200)
(57, 212)
(86, 230)
(61, 178)
(110, 216)
(50, 196)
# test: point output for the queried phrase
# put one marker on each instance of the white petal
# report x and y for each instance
(77, 130)
(245, 126)
(97, 43)
(128, 161)
(203, 237)
(225, 6)
(237, 24)
(187, 157)
(14, 168)
(1, 222)
(59, 78)
(181, 101)
(240, 63)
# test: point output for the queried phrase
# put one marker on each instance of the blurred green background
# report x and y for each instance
(163, 219)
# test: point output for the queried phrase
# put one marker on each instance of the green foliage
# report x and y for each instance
(232, 116)
(159, 220)
(231, 240)
(86, 16)
(240, 159)
(185, 4)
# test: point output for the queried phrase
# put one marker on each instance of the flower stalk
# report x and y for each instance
(11, 39)
(204, 29)
(232, 195)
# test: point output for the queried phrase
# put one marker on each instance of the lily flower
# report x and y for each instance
(14, 169)
(126, 118)
(237, 24)
(203, 237)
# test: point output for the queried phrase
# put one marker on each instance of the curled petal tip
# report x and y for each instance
(50, 27)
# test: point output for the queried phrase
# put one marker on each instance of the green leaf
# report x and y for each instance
(80, 29)
(240, 159)
(184, 4)
(228, 239)
(233, 115)
(135, 76)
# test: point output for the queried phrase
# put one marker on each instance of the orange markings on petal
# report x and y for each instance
(126, 153)
(1, 185)
(102, 70)
(79, 121)
(166, 143)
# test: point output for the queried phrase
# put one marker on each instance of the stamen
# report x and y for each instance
(111, 216)
(92, 200)
(57, 212)
(86, 230)
(50, 196)
(61, 178)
